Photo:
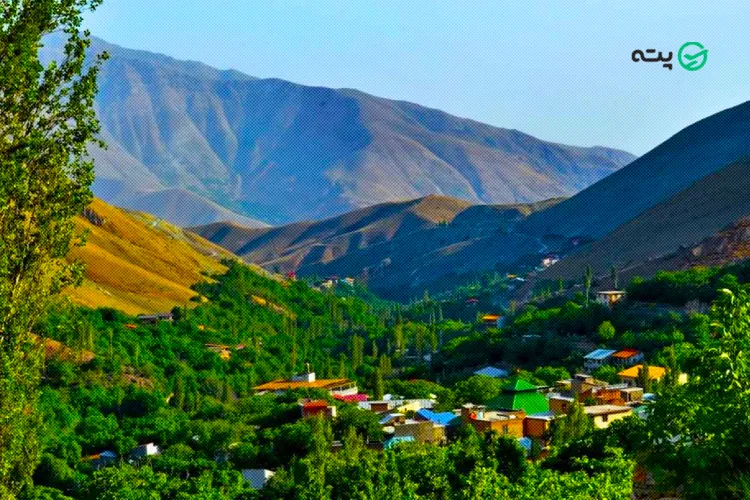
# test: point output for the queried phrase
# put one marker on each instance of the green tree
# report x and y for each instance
(47, 122)
(606, 331)
(696, 437)
(644, 378)
(588, 278)
(573, 426)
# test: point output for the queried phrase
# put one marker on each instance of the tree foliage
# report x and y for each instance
(46, 123)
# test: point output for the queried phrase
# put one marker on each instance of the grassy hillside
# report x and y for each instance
(137, 263)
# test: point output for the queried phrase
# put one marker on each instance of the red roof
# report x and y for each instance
(353, 398)
(626, 353)
(315, 404)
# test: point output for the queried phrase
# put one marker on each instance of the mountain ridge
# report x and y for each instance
(267, 149)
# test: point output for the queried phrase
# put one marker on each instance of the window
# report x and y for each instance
(505, 429)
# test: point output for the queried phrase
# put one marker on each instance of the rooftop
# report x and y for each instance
(626, 353)
(286, 385)
(600, 354)
(491, 371)
(654, 372)
(606, 409)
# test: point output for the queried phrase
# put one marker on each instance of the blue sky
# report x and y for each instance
(559, 70)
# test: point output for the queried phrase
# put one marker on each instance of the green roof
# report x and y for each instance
(520, 395)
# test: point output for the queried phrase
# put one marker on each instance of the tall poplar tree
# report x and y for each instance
(47, 120)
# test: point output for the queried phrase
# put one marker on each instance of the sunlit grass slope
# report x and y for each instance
(139, 264)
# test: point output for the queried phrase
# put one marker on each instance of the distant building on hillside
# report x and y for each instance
(627, 357)
(336, 386)
(144, 450)
(314, 407)
(597, 358)
(603, 415)
(610, 297)
(257, 478)
(505, 423)
(632, 374)
(520, 395)
(493, 320)
(491, 371)
(151, 319)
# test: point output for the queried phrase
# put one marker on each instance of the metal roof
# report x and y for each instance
(600, 354)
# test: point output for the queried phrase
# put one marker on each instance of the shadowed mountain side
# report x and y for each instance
(276, 151)
(681, 222)
(694, 152)
(398, 248)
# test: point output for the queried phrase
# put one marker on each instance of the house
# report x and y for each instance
(352, 398)
(603, 415)
(390, 419)
(610, 297)
(491, 371)
(505, 423)
(538, 425)
(336, 386)
(559, 403)
(550, 260)
(257, 478)
(631, 394)
(152, 319)
(627, 357)
(597, 358)
(315, 407)
(632, 374)
(445, 418)
(493, 320)
(420, 431)
(102, 459)
(223, 351)
(396, 405)
(145, 450)
(520, 395)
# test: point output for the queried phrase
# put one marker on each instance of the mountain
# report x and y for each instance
(400, 249)
(138, 263)
(700, 225)
(695, 152)
(184, 138)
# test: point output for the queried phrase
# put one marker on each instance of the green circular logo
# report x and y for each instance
(692, 56)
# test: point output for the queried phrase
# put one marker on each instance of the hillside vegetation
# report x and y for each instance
(138, 263)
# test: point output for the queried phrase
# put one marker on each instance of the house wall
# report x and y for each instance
(536, 427)
(603, 421)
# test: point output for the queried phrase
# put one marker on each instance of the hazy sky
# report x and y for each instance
(560, 70)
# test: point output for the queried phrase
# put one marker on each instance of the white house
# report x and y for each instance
(257, 478)
(145, 450)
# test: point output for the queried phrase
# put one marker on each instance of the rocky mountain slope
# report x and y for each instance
(400, 249)
(193, 144)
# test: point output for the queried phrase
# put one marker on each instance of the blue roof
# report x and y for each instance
(600, 354)
(444, 418)
(391, 442)
(491, 371)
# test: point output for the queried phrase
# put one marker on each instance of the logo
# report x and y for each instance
(692, 56)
